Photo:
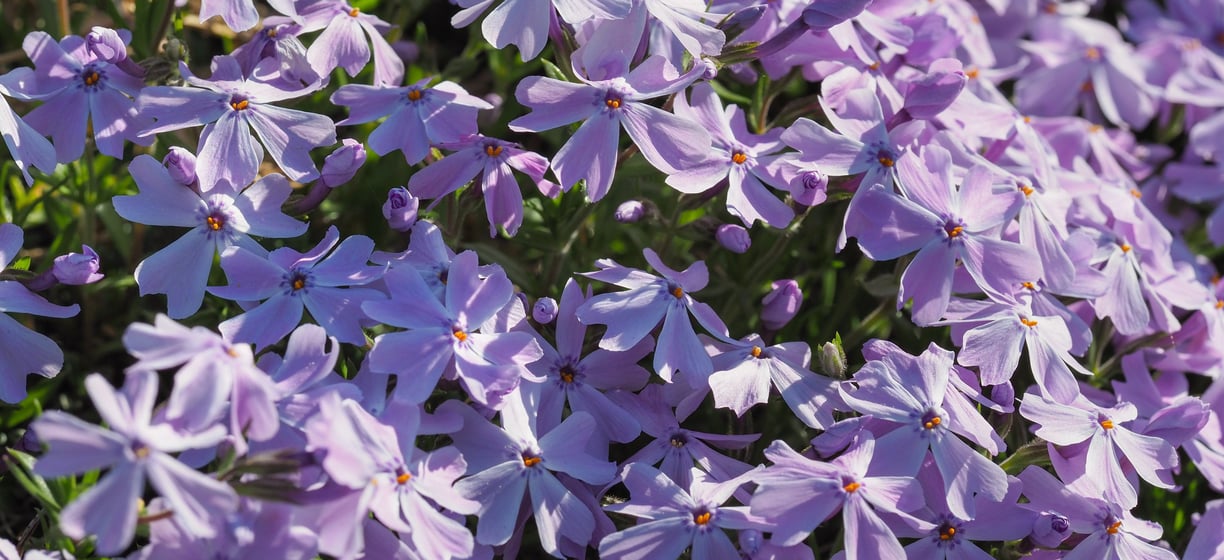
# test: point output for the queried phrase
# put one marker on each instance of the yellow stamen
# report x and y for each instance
(142, 452)
(493, 150)
(1095, 128)
(613, 103)
(971, 73)
(756, 351)
(414, 95)
(1113, 529)
(1220, 304)
(298, 284)
(567, 374)
(1125, 247)
(930, 424)
(462, 336)
(403, 478)
(1093, 53)
(92, 78)
(240, 105)
(874, 66)
(947, 534)
(531, 461)
(1027, 190)
(353, 12)
(956, 231)
(1107, 424)
(739, 157)
(702, 519)
(677, 293)
(214, 223)
(1136, 193)
(886, 161)
(1029, 285)
(1028, 322)
(851, 487)
(1028, 119)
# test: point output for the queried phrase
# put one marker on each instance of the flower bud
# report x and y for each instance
(181, 164)
(76, 269)
(833, 360)
(1050, 530)
(340, 165)
(544, 310)
(740, 21)
(929, 95)
(1004, 395)
(781, 304)
(734, 238)
(106, 45)
(400, 209)
(810, 187)
(630, 211)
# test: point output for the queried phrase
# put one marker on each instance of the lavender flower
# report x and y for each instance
(733, 238)
(630, 211)
(340, 165)
(77, 269)
(133, 448)
(343, 41)
(230, 105)
(527, 24)
(544, 310)
(400, 209)
(241, 15)
(25, 145)
(218, 220)
(325, 284)
(745, 370)
(781, 304)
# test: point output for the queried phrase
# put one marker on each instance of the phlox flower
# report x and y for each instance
(325, 284)
(427, 254)
(491, 160)
(25, 145)
(508, 462)
(673, 519)
(77, 90)
(745, 370)
(443, 334)
(418, 115)
(257, 529)
(230, 105)
(278, 40)
(606, 103)
(632, 314)
(526, 23)
(343, 42)
(241, 15)
(219, 219)
(24, 351)
(943, 535)
(135, 447)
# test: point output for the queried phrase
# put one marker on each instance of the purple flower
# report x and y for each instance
(632, 314)
(947, 226)
(241, 15)
(736, 155)
(418, 115)
(942, 535)
(278, 40)
(781, 304)
(133, 448)
(606, 103)
(400, 209)
(544, 310)
(230, 105)
(181, 164)
(795, 494)
(106, 45)
(325, 284)
(343, 42)
(25, 145)
(443, 334)
(733, 238)
(569, 377)
(1107, 440)
(77, 88)
(630, 211)
(25, 351)
(340, 165)
(526, 23)
(745, 370)
(399, 483)
(674, 519)
(509, 461)
(258, 529)
(218, 220)
(491, 160)
(77, 269)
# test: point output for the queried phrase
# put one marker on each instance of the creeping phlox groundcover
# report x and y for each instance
(630, 279)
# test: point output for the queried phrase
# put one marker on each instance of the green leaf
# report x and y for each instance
(21, 466)
(1032, 453)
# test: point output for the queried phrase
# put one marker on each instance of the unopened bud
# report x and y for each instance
(1050, 530)
(833, 360)
(781, 304)
(739, 21)
(630, 211)
(400, 209)
(76, 269)
(340, 165)
(181, 164)
(929, 95)
(106, 45)
(810, 187)
(734, 238)
(544, 310)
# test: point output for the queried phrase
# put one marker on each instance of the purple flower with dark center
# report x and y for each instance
(278, 40)
(343, 42)
(399, 483)
(509, 461)
(569, 377)
(241, 15)
(325, 284)
(526, 23)
(427, 254)
(134, 448)
(674, 519)
(230, 105)
(77, 88)
(910, 395)
(258, 529)
(948, 227)
(491, 160)
(606, 103)
(218, 220)
(745, 370)
(25, 145)
(796, 494)
(632, 314)
(443, 334)
(25, 351)
(418, 115)
(1108, 442)
(736, 155)
(1113, 533)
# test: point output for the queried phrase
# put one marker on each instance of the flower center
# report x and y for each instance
(91, 77)
(1093, 54)
(459, 334)
(1125, 247)
(701, 518)
(567, 374)
(403, 478)
(677, 292)
(493, 150)
(1028, 322)
(414, 95)
(531, 460)
(886, 161)
(1026, 189)
(1107, 424)
(239, 103)
(1029, 285)
(946, 532)
(297, 280)
(971, 73)
(678, 440)
(930, 420)
(1219, 304)
(851, 487)
(1114, 527)
(756, 351)
(954, 229)
(353, 12)
(140, 450)
(215, 222)
(739, 158)
(612, 101)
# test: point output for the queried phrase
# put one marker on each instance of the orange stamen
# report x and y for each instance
(414, 95)
(956, 231)
(493, 151)
(886, 161)
(677, 293)
(1125, 247)
(1093, 53)
(1028, 322)
(531, 461)
(462, 336)
(947, 534)
(353, 12)
(92, 78)
(851, 487)
(1107, 424)
(403, 478)
(240, 105)
(298, 284)
(1027, 190)
(756, 351)
(1029, 285)
(930, 424)
(214, 223)
(1113, 529)
(613, 103)
(702, 519)
(739, 157)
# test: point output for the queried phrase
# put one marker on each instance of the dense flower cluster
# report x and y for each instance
(997, 151)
